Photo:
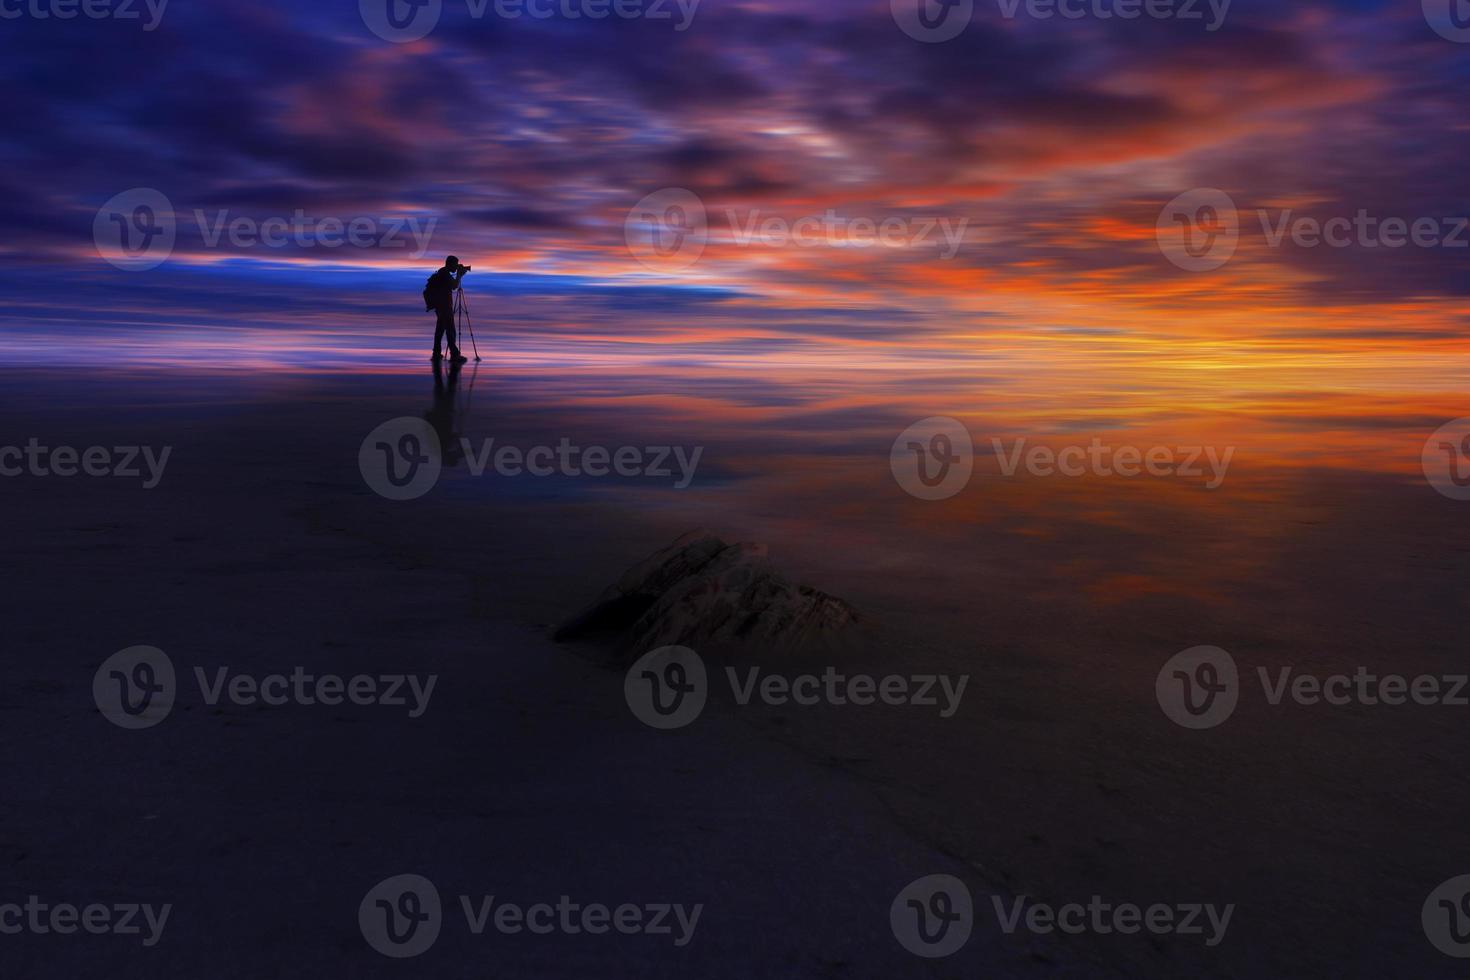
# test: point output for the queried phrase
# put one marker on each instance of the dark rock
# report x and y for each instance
(700, 592)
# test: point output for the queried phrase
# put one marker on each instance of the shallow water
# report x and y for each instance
(1321, 546)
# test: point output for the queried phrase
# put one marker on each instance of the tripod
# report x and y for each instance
(462, 311)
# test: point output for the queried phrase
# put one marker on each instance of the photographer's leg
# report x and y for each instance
(444, 324)
(452, 334)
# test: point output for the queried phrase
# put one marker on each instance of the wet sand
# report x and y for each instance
(1060, 778)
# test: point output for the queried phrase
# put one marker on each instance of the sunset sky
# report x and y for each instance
(1056, 142)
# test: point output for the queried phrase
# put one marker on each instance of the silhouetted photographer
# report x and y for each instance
(439, 297)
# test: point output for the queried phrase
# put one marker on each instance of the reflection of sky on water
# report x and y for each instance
(778, 386)
(796, 450)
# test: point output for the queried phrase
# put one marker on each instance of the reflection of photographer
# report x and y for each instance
(439, 297)
(443, 416)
